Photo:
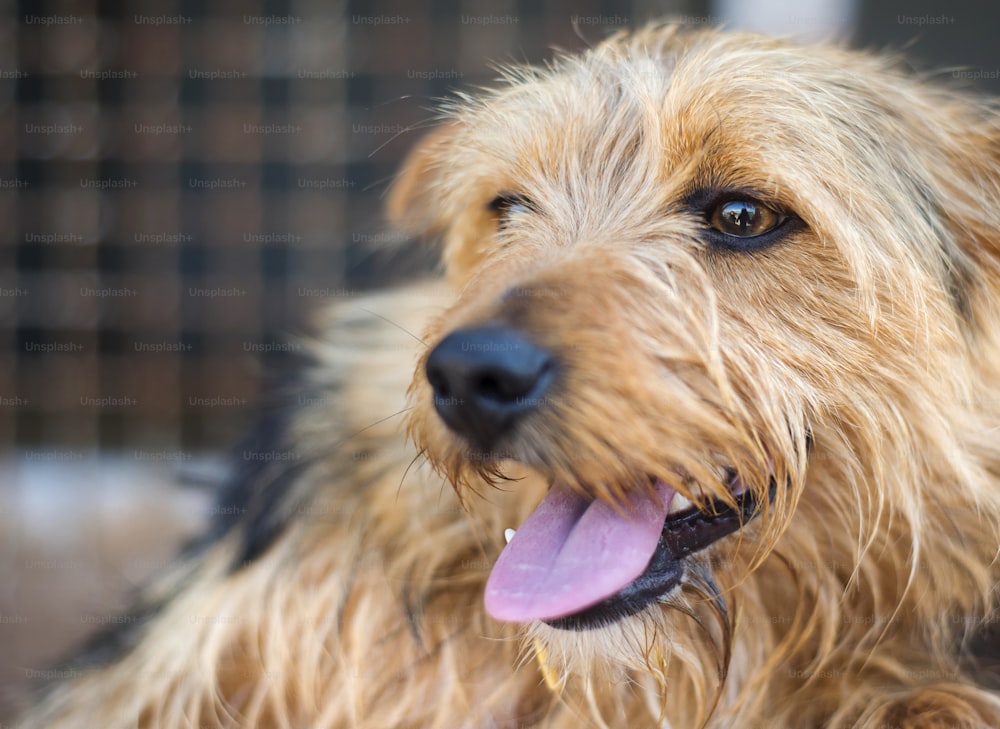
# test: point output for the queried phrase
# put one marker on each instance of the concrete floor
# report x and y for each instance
(79, 533)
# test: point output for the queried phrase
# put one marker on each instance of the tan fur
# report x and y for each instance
(874, 331)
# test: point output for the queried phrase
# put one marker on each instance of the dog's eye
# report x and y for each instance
(743, 218)
(507, 204)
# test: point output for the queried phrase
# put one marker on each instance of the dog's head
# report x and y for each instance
(734, 304)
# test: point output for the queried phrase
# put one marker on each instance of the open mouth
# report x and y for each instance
(579, 563)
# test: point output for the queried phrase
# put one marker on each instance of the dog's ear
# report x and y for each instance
(414, 204)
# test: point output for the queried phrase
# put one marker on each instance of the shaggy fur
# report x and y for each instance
(855, 361)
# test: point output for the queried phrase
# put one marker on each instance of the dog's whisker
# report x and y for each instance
(395, 324)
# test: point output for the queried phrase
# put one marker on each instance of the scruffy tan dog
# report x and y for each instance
(721, 346)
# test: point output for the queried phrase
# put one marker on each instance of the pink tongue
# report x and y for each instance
(572, 553)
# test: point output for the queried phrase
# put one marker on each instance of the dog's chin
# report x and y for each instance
(685, 532)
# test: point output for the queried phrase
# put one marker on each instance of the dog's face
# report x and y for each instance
(718, 296)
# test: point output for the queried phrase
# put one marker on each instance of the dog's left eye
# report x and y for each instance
(507, 204)
(743, 218)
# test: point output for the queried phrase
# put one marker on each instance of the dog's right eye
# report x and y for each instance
(507, 204)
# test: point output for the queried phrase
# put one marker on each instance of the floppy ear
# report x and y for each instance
(415, 204)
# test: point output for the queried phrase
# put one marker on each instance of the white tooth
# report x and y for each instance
(680, 503)
(508, 534)
(737, 487)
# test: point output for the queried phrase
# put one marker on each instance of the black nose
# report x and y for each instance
(487, 378)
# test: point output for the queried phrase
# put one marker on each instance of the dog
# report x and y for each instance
(700, 428)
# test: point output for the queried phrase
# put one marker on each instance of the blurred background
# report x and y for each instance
(182, 183)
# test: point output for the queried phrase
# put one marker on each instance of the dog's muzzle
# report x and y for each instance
(576, 562)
